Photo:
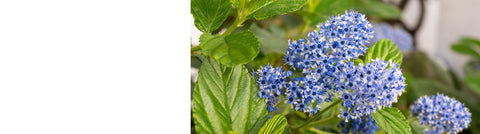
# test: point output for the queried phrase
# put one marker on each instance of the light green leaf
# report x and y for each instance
(225, 100)
(358, 61)
(468, 46)
(386, 50)
(275, 125)
(269, 40)
(210, 14)
(391, 120)
(234, 49)
(278, 7)
(378, 9)
(473, 82)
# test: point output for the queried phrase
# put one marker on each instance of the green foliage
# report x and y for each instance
(473, 81)
(422, 66)
(225, 100)
(210, 14)
(358, 61)
(275, 125)
(468, 46)
(391, 120)
(322, 10)
(278, 7)
(271, 40)
(378, 9)
(384, 49)
(234, 49)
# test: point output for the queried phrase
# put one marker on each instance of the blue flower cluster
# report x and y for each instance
(340, 38)
(305, 94)
(401, 37)
(363, 125)
(441, 113)
(271, 81)
(377, 84)
(322, 58)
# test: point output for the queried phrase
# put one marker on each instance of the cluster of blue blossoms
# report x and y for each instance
(363, 125)
(325, 59)
(402, 38)
(377, 84)
(441, 113)
(322, 58)
(271, 82)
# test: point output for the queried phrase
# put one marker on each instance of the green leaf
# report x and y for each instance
(468, 46)
(225, 100)
(358, 61)
(378, 9)
(210, 14)
(274, 40)
(327, 8)
(234, 49)
(278, 7)
(386, 50)
(275, 125)
(392, 120)
(473, 82)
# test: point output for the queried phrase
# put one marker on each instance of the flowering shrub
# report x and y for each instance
(345, 73)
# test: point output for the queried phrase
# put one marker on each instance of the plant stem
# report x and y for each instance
(319, 114)
(304, 27)
(196, 48)
(232, 27)
(322, 122)
(319, 131)
(285, 112)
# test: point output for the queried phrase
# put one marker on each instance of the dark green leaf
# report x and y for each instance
(473, 81)
(378, 9)
(468, 46)
(386, 50)
(391, 120)
(209, 14)
(274, 40)
(278, 7)
(225, 100)
(275, 125)
(236, 48)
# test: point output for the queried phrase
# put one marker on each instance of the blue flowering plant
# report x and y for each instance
(340, 78)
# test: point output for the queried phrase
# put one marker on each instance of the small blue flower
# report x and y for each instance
(271, 82)
(371, 86)
(363, 125)
(441, 114)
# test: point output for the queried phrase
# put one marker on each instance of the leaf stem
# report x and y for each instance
(232, 27)
(319, 131)
(304, 27)
(195, 48)
(319, 114)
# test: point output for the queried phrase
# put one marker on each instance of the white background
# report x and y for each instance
(94, 66)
